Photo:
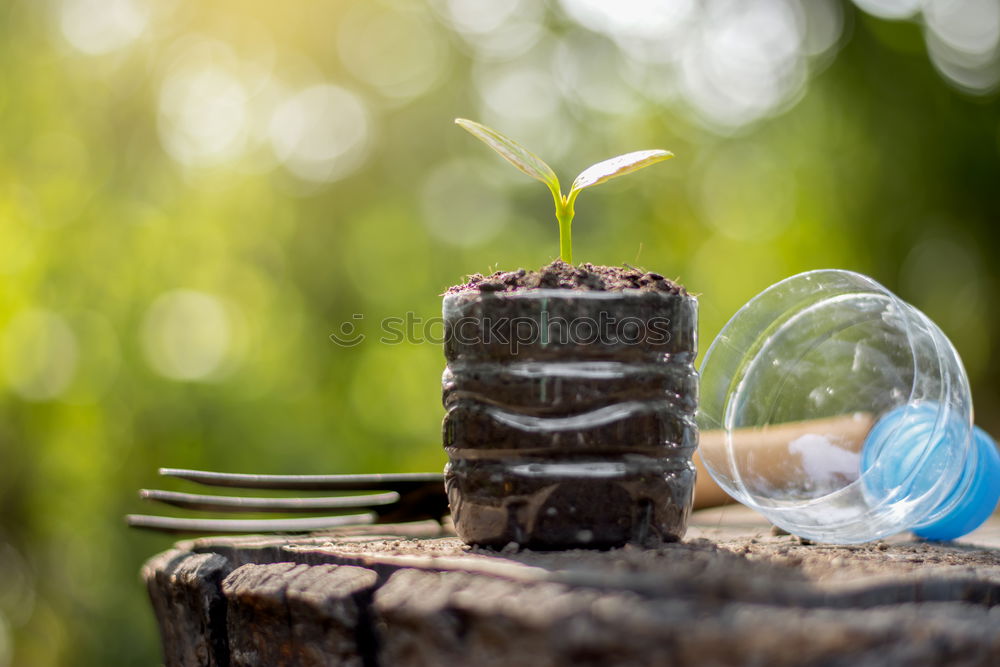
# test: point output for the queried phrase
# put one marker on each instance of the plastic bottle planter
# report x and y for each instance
(570, 416)
(875, 404)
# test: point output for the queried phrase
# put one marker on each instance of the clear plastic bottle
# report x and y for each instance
(844, 415)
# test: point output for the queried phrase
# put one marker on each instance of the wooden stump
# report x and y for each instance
(731, 593)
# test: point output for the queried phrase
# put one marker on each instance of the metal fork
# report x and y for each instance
(401, 497)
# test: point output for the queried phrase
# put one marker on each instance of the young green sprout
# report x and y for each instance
(533, 166)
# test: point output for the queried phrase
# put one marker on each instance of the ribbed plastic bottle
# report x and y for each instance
(570, 416)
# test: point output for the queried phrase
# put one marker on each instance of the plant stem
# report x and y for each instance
(564, 214)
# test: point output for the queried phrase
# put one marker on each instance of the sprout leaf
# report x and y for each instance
(533, 166)
(617, 166)
(513, 152)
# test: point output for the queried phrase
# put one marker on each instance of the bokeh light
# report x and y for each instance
(963, 39)
(321, 134)
(203, 112)
(631, 21)
(194, 196)
(494, 30)
(521, 99)
(746, 62)
(459, 208)
(590, 72)
(39, 353)
(962, 36)
(399, 55)
(17, 596)
(101, 26)
(891, 9)
(6, 643)
(186, 335)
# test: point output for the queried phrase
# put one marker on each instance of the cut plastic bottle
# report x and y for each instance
(845, 415)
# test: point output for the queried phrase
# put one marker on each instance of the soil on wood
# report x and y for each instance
(763, 569)
(735, 594)
(560, 275)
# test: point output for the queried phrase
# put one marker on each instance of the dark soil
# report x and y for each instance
(560, 275)
(527, 424)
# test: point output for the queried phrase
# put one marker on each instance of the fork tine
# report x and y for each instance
(404, 497)
(166, 524)
(392, 482)
(196, 501)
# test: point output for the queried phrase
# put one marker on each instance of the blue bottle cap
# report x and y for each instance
(904, 456)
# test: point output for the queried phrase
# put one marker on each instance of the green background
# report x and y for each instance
(194, 196)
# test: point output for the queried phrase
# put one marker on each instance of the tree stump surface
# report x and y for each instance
(733, 592)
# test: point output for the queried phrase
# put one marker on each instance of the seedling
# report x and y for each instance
(533, 166)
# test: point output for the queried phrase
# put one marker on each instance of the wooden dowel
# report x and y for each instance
(769, 447)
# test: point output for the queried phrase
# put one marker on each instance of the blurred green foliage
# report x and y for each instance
(194, 196)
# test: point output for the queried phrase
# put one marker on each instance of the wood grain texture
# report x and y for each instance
(185, 590)
(288, 614)
(428, 618)
(734, 592)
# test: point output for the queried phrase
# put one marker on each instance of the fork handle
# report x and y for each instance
(374, 482)
(169, 524)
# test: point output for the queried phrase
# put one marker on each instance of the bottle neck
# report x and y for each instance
(973, 498)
